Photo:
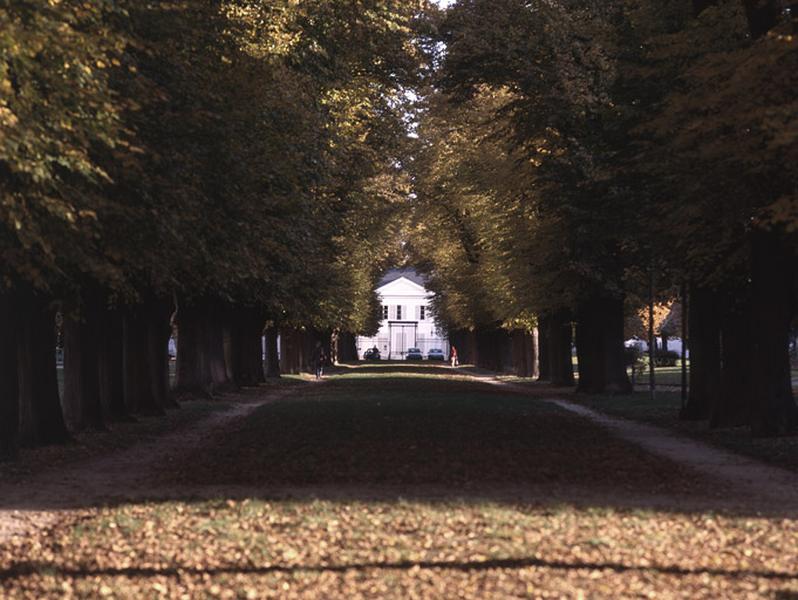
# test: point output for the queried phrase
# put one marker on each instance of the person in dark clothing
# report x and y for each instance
(318, 359)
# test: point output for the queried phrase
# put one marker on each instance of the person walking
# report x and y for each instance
(453, 357)
(318, 359)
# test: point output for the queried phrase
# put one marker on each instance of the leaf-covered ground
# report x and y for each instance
(408, 483)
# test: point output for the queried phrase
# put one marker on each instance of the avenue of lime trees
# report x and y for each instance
(230, 167)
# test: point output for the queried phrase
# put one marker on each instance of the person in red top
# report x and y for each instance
(453, 356)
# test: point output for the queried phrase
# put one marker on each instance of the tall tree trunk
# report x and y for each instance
(347, 347)
(588, 350)
(73, 372)
(615, 375)
(289, 351)
(560, 338)
(72, 392)
(253, 339)
(158, 313)
(521, 357)
(42, 419)
(533, 339)
(233, 348)
(544, 348)
(308, 340)
(489, 348)
(505, 347)
(193, 363)
(529, 349)
(326, 339)
(471, 354)
(685, 342)
(484, 352)
(600, 346)
(272, 355)
(253, 352)
(82, 333)
(138, 370)
(244, 355)
(214, 323)
(249, 355)
(498, 345)
(732, 404)
(286, 351)
(704, 354)
(111, 363)
(652, 343)
(773, 409)
(9, 379)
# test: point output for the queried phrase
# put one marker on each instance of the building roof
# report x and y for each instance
(410, 274)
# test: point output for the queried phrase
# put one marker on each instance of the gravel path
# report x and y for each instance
(757, 481)
(756, 478)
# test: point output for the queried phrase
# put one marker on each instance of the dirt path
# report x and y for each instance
(120, 476)
(755, 479)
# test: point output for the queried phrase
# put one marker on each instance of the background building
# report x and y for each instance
(407, 318)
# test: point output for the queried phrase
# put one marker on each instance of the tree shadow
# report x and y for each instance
(23, 569)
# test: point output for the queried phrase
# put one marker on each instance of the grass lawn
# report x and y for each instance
(421, 426)
(663, 376)
(667, 377)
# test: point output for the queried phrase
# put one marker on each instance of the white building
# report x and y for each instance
(407, 319)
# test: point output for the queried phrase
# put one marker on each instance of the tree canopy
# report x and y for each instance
(248, 150)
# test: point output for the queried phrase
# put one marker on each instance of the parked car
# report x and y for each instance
(636, 343)
(414, 354)
(372, 354)
(436, 354)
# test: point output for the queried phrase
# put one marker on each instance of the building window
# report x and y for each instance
(384, 313)
(398, 313)
(422, 314)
